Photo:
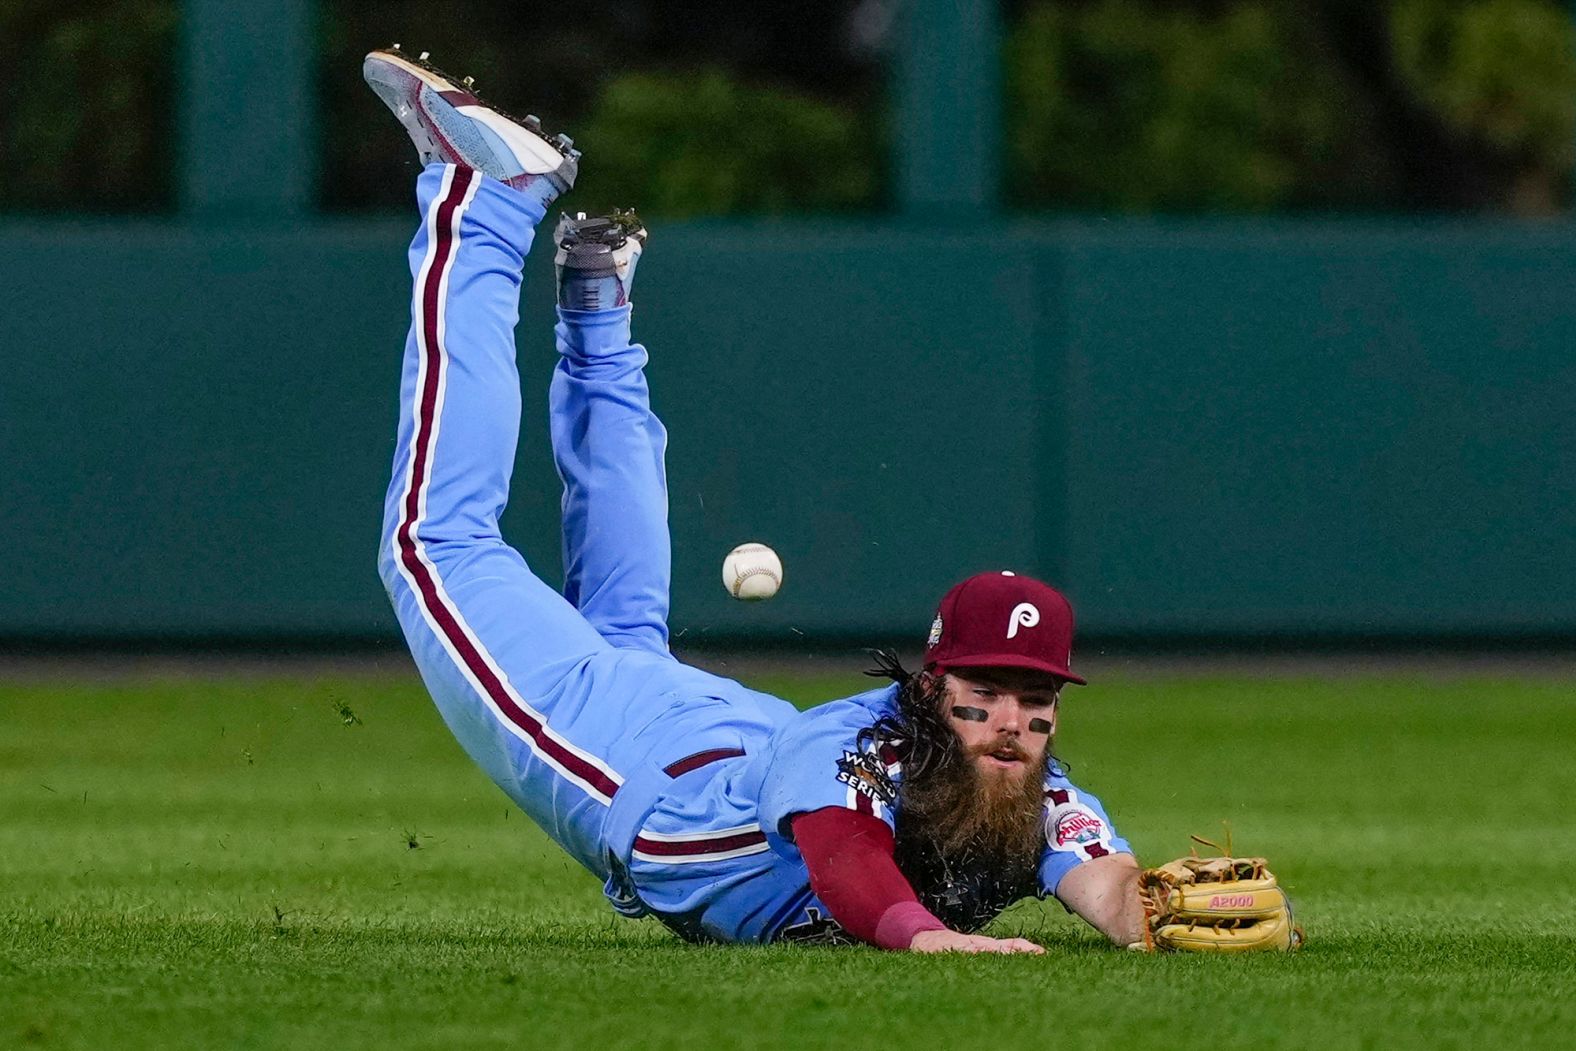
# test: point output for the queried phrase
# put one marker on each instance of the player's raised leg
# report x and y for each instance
(503, 654)
(608, 444)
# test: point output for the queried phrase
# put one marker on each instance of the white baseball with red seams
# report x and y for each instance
(752, 572)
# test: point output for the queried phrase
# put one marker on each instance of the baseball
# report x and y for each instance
(752, 572)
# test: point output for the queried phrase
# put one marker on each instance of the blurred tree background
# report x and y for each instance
(86, 114)
(704, 107)
(687, 106)
(1261, 105)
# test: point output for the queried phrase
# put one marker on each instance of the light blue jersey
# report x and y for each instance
(674, 786)
(716, 858)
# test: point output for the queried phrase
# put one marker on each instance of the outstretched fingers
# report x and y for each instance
(1019, 945)
(952, 941)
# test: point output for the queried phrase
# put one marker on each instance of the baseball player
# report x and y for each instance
(906, 817)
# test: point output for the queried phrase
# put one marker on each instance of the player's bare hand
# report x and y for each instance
(952, 941)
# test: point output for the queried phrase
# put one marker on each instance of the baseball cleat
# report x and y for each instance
(450, 125)
(596, 259)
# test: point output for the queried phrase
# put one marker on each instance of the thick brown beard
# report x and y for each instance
(969, 819)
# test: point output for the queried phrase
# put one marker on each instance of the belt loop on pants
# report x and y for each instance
(636, 798)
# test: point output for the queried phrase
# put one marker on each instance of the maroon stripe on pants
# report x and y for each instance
(700, 759)
(697, 847)
(421, 450)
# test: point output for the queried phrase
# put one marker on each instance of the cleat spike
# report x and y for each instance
(424, 56)
(563, 141)
(469, 82)
(394, 48)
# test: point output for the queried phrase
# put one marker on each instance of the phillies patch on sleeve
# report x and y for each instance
(1073, 828)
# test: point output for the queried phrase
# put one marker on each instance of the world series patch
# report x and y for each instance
(866, 774)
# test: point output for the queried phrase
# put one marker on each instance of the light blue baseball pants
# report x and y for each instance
(566, 701)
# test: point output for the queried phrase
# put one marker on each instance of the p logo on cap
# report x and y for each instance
(1024, 615)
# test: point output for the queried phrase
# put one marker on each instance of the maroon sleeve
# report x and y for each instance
(852, 871)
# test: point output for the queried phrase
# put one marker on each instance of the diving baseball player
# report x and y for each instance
(906, 817)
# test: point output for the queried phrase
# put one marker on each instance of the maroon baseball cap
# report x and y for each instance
(1002, 620)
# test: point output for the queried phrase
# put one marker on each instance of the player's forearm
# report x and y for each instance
(852, 871)
(1104, 892)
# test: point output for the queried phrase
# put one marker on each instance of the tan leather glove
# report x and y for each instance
(1216, 905)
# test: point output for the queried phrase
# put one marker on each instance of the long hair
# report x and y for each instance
(918, 732)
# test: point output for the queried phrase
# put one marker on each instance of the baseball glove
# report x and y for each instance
(1216, 905)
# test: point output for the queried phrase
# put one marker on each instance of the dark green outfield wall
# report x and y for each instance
(1338, 429)
(1206, 428)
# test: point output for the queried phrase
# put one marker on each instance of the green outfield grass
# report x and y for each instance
(313, 863)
